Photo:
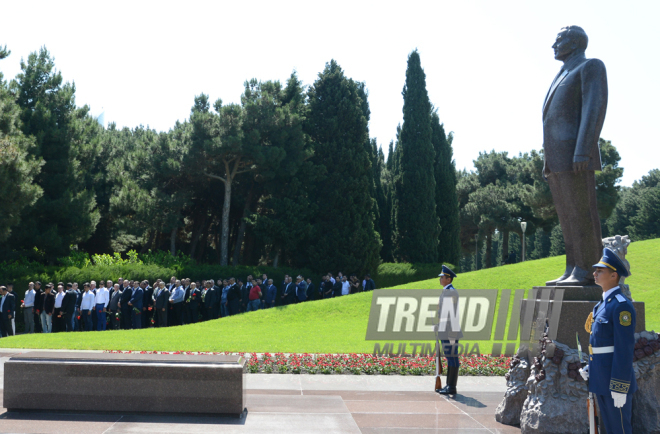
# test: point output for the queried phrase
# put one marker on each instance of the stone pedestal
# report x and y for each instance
(565, 317)
(143, 383)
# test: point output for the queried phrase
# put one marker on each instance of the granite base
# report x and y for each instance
(127, 383)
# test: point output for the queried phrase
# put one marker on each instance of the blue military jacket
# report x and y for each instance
(448, 302)
(613, 325)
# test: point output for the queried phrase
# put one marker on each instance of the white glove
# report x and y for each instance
(584, 372)
(619, 399)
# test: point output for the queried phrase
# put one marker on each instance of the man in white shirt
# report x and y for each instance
(345, 286)
(58, 315)
(102, 300)
(28, 308)
(86, 307)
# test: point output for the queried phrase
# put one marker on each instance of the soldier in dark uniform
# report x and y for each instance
(448, 328)
(611, 345)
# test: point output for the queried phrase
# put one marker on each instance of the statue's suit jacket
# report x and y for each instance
(573, 115)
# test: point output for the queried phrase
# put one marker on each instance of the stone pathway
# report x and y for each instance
(291, 404)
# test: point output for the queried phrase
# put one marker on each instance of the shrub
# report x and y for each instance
(206, 271)
(392, 274)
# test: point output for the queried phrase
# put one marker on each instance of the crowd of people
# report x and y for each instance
(131, 304)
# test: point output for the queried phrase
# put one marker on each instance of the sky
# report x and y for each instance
(488, 64)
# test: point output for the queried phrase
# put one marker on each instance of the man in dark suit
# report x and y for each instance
(8, 306)
(113, 306)
(279, 299)
(234, 296)
(147, 304)
(312, 293)
(245, 293)
(289, 292)
(124, 308)
(327, 287)
(208, 299)
(38, 306)
(573, 116)
(301, 290)
(336, 287)
(69, 306)
(162, 296)
(369, 284)
(216, 295)
(186, 306)
(194, 301)
(136, 306)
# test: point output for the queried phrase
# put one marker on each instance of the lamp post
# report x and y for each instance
(523, 226)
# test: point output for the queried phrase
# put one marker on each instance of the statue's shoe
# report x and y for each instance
(561, 278)
(578, 277)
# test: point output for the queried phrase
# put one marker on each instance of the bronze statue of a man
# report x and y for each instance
(573, 116)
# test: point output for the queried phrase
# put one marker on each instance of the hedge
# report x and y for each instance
(393, 274)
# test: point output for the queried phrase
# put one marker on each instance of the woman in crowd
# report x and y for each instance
(49, 307)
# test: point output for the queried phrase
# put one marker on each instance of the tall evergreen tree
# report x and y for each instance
(446, 199)
(344, 237)
(17, 167)
(416, 226)
(68, 141)
(283, 220)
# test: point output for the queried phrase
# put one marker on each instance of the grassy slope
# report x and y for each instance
(332, 325)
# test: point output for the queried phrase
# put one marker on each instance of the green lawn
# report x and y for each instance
(336, 325)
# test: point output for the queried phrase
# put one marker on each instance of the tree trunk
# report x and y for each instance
(205, 241)
(196, 234)
(241, 229)
(230, 174)
(505, 246)
(489, 251)
(149, 243)
(277, 258)
(173, 241)
(224, 239)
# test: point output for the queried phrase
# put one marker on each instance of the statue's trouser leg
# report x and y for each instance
(574, 195)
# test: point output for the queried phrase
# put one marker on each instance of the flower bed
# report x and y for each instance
(357, 364)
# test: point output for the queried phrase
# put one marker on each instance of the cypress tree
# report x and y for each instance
(416, 227)
(343, 238)
(446, 199)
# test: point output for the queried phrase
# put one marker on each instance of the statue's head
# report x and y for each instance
(571, 39)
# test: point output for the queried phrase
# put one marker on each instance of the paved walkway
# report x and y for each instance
(291, 404)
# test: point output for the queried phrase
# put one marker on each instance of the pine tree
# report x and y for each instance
(68, 141)
(285, 209)
(344, 237)
(17, 167)
(446, 199)
(416, 226)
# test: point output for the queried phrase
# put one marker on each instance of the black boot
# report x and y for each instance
(452, 379)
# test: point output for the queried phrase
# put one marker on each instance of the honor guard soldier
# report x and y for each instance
(611, 344)
(448, 328)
